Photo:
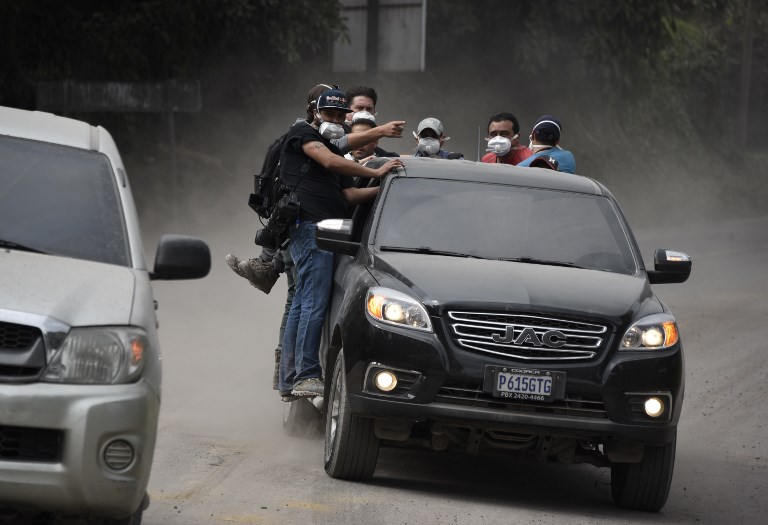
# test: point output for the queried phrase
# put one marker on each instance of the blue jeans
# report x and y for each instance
(300, 358)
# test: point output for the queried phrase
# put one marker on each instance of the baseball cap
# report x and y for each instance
(363, 116)
(545, 161)
(333, 99)
(548, 128)
(430, 123)
(317, 91)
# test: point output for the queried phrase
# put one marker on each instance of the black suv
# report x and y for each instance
(484, 307)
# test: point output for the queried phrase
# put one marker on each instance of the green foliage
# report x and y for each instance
(154, 39)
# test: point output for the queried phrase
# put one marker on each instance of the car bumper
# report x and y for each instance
(84, 420)
(603, 398)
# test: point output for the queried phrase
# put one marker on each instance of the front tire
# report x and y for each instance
(644, 485)
(351, 446)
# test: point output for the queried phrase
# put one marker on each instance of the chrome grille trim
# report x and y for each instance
(474, 331)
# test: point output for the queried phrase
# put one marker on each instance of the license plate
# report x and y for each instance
(527, 384)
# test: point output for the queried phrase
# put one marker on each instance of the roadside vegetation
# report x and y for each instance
(659, 98)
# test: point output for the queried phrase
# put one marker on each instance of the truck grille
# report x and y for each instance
(17, 336)
(30, 444)
(22, 352)
(574, 405)
(475, 331)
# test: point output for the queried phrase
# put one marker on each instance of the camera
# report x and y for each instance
(275, 232)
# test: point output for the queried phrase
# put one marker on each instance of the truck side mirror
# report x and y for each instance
(670, 267)
(334, 235)
(181, 257)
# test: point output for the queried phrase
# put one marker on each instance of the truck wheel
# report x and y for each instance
(351, 446)
(644, 485)
(300, 418)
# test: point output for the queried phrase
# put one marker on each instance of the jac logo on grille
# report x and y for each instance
(550, 338)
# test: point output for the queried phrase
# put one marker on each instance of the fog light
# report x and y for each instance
(385, 380)
(654, 406)
(118, 455)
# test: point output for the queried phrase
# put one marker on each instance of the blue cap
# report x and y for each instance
(333, 99)
(548, 129)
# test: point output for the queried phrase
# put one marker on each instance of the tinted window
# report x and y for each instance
(495, 221)
(61, 201)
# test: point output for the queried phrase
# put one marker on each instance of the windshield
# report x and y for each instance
(503, 222)
(61, 201)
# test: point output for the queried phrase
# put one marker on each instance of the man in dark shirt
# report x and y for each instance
(322, 180)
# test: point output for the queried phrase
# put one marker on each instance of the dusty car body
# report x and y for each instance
(80, 374)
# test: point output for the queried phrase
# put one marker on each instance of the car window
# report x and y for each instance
(504, 222)
(61, 201)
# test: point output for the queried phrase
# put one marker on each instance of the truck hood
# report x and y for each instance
(73, 291)
(441, 281)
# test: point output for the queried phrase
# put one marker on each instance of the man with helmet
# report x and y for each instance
(503, 144)
(544, 138)
(430, 139)
(322, 182)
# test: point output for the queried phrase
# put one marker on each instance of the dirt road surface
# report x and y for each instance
(222, 456)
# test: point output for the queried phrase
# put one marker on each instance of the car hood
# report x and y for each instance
(73, 291)
(440, 281)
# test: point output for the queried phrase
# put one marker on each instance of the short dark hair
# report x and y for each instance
(500, 117)
(364, 91)
(365, 121)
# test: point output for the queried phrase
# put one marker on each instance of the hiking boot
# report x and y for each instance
(233, 262)
(309, 387)
(276, 375)
(260, 274)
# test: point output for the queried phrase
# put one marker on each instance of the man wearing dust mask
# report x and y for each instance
(503, 144)
(430, 139)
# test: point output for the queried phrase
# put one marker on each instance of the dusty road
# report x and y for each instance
(222, 456)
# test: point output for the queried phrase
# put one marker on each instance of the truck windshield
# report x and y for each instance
(493, 221)
(61, 201)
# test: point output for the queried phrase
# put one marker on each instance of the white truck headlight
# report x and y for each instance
(98, 356)
(396, 308)
(654, 332)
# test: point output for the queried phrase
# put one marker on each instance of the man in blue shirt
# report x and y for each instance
(544, 138)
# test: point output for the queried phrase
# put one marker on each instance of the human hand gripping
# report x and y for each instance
(387, 167)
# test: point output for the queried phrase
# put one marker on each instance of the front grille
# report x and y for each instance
(22, 352)
(17, 336)
(574, 405)
(574, 340)
(30, 444)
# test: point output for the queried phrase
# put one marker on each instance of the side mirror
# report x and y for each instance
(670, 267)
(181, 257)
(334, 235)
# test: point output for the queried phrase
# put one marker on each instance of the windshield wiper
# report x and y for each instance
(530, 260)
(20, 247)
(428, 251)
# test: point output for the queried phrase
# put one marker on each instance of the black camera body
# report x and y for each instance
(285, 213)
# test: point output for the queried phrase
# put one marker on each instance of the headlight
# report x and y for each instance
(392, 307)
(654, 332)
(99, 356)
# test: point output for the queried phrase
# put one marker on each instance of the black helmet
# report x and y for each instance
(333, 99)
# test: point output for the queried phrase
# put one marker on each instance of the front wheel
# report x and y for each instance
(644, 485)
(351, 446)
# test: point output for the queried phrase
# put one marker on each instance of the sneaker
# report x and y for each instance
(260, 274)
(286, 396)
(276, 375)
(309, 387)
